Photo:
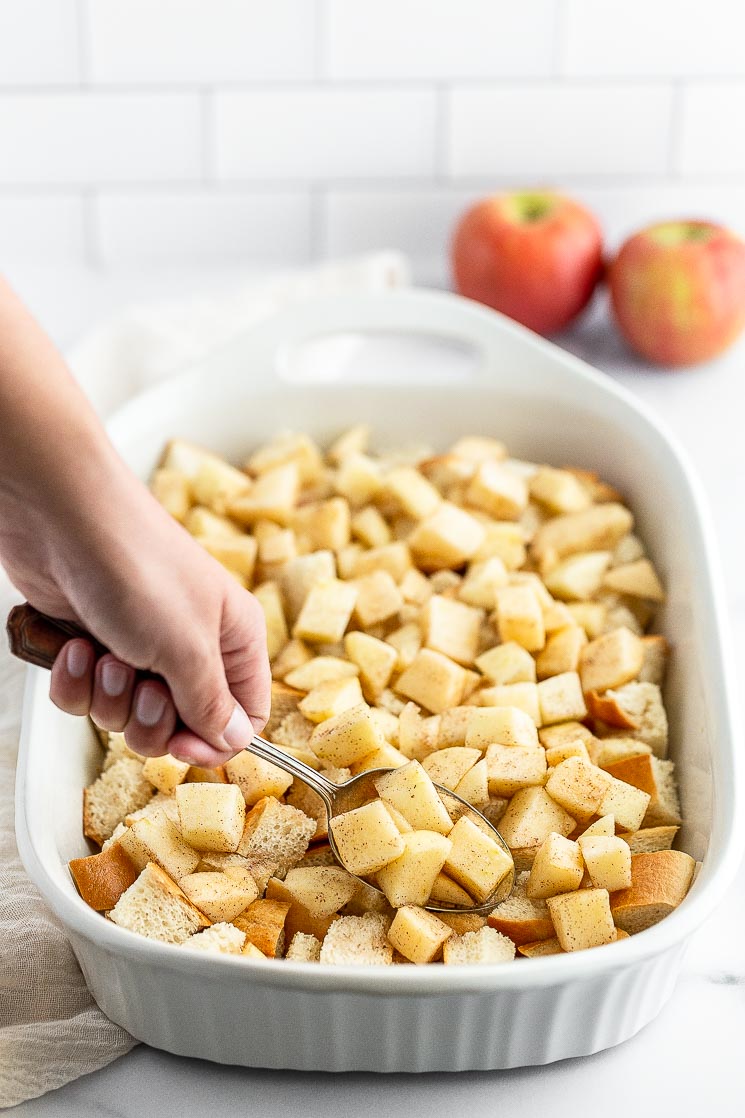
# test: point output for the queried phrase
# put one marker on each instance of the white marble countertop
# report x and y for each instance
(686, 1062)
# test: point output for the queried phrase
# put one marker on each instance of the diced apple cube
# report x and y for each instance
(320, 669)
(476, 861)
(219, 896)
(367, 838)
(299, 575)
(498, 491)
(271, 497)
(519, 696)
(237, 554)
(415, 496)
(638, 579)
(331, 698)
(347, 737)
(418, 935)
(559, 490)
(507, 663)
(480, 585)
(211, 815)
(447, 767)
(500, 725)
(395, 558)
(557, 868)
(579, 787)
(370, 527)
(256, 778)
(410, 790)
(172, 490)
(408, 880)
(558, 753)
(531, 816)
(561, 652)
(432, 680)
(446, 539)
(579, 577)
(158, 840)
(270, 600)
(582, 919)
(627, 804)
(474, 785)
(520, 618)
(608, 861)
(452, 628)
(561, 699)
(599, 527)
(322, 890)
(165, 773)
(326, 611)
(358, 478)
(512, 767)
(378, 598)
(611, 660)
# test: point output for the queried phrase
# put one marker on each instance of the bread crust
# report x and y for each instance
(659, 882)
(102, 878)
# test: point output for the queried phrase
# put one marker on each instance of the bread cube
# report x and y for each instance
(211, 816)
(597, 528)
(158, 840)
(638, 579)
(269, 598)
(648, 840)
(561, 699)
(642, 706)
(448, 766)
(501, 725)
(520, 696)
(557, 868)
(256, 778)
(579, 787)
(263, 921)
(550, 946)
(484, 946)
(155, 907)
(347, 737)
(409, 878)
(119, 790)
(304, 949)
(378, 598)
(507, 663)
(165, 773)
(611, 660)
(367, 838)
(520, 917)
(579, 577)
(331, 698)
(276, 832)
(432, 680)
(359, 478)
(417, 934)
(374, 659)
(102, 878)
(358, 940)
(559, 490)
(446, 539)
(498, 491)
(410, 790)
(451, 628)
(659, 882)
(582, 919)
(476, 861)
(217, 895)
(220, 939)
(326, 611)
(520, 618)
(608, 861)
(561, 652)
(319, 669)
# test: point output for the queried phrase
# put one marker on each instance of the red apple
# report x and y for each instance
(678, 291)
(534, 255)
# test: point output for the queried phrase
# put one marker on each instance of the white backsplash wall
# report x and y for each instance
(183, 132)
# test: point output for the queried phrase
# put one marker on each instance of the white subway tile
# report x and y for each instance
(191, 227)
(413, 220)
(318, 133)
(38, 42)
(662, 38)
(439, 39)
(711, 135)
(41, 229)
(88, 138)
(200, 40)
(547, 129)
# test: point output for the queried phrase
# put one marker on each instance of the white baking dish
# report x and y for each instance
(441, 367)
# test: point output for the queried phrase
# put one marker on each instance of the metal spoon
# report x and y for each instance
(38, 639)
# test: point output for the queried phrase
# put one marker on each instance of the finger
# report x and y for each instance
(71, 687)
(113, 688)
(204, 701)
(186, 746)
(152, 720)
(245, 656)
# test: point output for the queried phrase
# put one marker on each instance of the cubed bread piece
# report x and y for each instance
(347, 737)
(220, 939)
(582, 919)
(512, 767)
(608, 861)
(269, 597)
(578, 577)
(446, 539)
(607, 751)
(410, 790)
(611, 660)
(642, 704)
(599, 527)
(326, 611)
(452, 628)
(522, 918)
(331, 698)
(483, 946)
(659, 882)
(579, 787)
(165, 773)
(561, 699)
(476, 861)
(562, 651)
(501, 725)
(520, 618)
(657, 778)
(319, 669)
(102, 878)
(432, 680)
(155, 907)
(159, 840)
(211, 815)
(367, 838)
(498, 491)
(358, 941)
(447, 767)
(218, 895)
(256, 778)
(418, 934)
(121, 789)
(638, 579)
(304, 949)
(531, 816)
(408, 879)
(276, 832)
(117, 748)
(656, 653)
(374, 659)
(557, 868)
(550, 946)
(264, 924)
(647, 840)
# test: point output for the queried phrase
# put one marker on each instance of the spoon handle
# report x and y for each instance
(38, 640)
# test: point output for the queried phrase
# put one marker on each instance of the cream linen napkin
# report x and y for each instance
(51, 1030)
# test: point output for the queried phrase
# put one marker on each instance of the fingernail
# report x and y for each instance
(114, 678)
(150, 706)
(78, 659)
(239, 731)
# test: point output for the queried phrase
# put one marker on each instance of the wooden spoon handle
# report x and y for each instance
(38, 639)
